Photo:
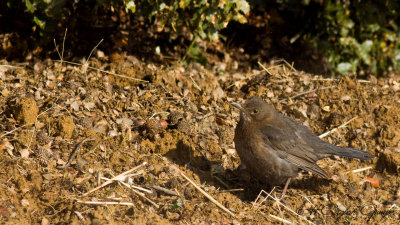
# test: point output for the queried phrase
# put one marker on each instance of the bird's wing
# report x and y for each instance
(322, 148)
(291, 148)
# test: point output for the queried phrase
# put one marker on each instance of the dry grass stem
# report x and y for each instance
(74, 153)
(194, 83)
(206, 194)
(129, 185)
(289, 65)
(104, 203)
(361, 169)
(314, 90)
(104, 71)
(336, 128)
(281, 219)
(284, 206)
(116, 178)
(264, 68)
(165, 190)
(140, 194)
(318, 211)
(11, 66)
(232, 190)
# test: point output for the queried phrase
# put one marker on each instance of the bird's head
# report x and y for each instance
(255, 110)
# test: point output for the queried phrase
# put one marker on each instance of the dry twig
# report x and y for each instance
(281, 219)
(284, 206)
(361, 169)
(104, 71)
(74, 153)
(116, 178)
(336, 128)
(104, 203)
(205, 193)
(314, 90)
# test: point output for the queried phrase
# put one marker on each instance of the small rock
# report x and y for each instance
(153, 127)
(174, 117)
(27, 111)
(66, 126)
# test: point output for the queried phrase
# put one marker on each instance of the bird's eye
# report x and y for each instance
(255, 111)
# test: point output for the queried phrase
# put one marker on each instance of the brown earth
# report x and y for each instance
(178, 120)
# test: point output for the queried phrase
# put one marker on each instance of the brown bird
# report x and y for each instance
(275, 147)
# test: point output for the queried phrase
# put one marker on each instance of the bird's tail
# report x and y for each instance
(349, 152)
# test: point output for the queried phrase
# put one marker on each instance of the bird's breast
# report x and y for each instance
(260, 158)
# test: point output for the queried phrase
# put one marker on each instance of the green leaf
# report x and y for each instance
(39, 22)
(344, 67)
(242, 5)
(372, 28)
(30, 6)
(131, 6)
(364, 51)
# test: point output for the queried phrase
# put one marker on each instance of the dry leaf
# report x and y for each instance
(326, 108)
(24, 153)
(164, 124)
(374, 182)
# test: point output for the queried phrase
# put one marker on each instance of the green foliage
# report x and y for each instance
(359, 35)
(46, 14)
(201, 17)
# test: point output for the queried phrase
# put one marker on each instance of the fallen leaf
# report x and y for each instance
(24, 153)
(164, 124)
(2, 145)
(326, 108)
(374, 182)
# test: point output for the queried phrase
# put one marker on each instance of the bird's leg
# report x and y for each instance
(285, 188)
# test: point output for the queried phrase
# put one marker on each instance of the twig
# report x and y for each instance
(336, 128)
(325, 79)
(61, 55)
(11, 66)
(364, 81)
(74, 153)
(194, 83)
(12, 131)
(118, 177)
(107, 72)
(90, 55)
(287, 208)
(318, 211)
(205, 116)
(104, 203)
(281, 219)
(335, 79)
(314, 90)
(143, 196)
(79, 215)
(361, 169)
(157, 113)
(166, 191)
(133, 187)
(259, 196)
(130, 185)
(264, 68)
(232, 190)
(206, 194)
(289, 65)
(222, 182)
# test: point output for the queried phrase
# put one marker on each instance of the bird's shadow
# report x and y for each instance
(251, 187)
(247, 187)
(184, 155)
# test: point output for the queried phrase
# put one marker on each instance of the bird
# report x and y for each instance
(275, 147)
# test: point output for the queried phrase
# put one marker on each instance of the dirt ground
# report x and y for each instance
(165, 122)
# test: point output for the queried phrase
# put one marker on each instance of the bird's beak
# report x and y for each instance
(237, 105)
